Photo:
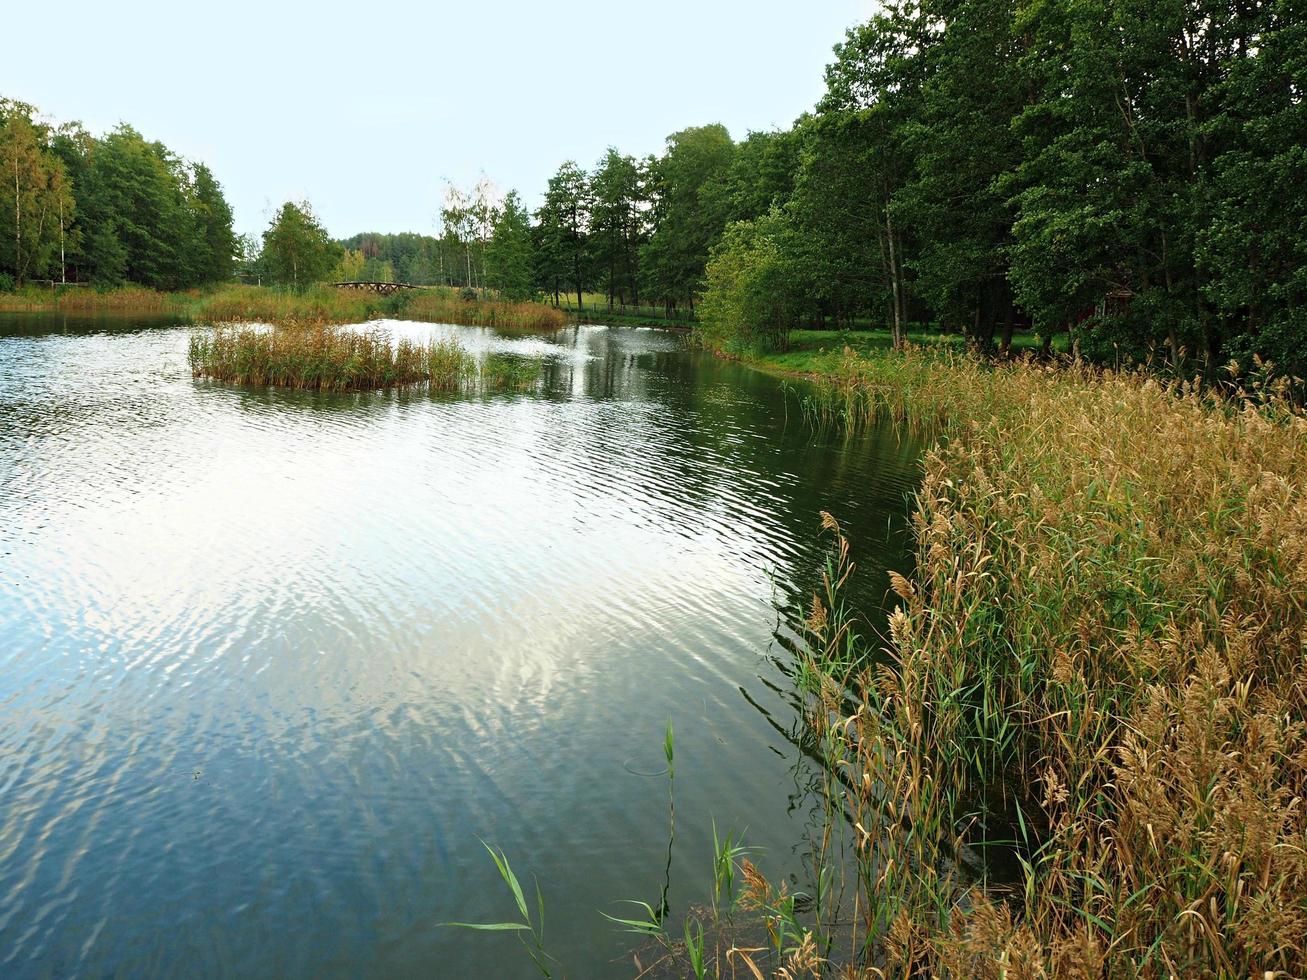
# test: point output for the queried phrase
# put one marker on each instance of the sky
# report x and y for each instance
(364, 109)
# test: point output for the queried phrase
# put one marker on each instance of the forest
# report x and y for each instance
(1129, 173)
(106, 210)
(1067, 739)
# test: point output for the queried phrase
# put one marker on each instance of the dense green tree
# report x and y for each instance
(510, 256)
(297, 251)
(215, 239)
(753, 298)
(962, 147)
(1111, 183)
(616, 225)
(565, 221)
(36, 203)
(139, 189)
(1254, 249)
(144, 214)
(861, 154)
(762, 174)
(691, 205)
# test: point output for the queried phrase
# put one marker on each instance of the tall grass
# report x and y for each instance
(332, 358)
(439, 306)
(1099, 666)
(506, 372)
(448, 365)
(320, 305)
(327, 304)
(86, 300)
(313, 307)
(316, 358)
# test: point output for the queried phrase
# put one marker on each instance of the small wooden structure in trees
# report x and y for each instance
(382, 288)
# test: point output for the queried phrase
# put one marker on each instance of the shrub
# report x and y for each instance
(750, 302)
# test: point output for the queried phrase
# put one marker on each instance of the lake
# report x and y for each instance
(273, 663)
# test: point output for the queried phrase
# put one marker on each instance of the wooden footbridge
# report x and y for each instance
(382, 288)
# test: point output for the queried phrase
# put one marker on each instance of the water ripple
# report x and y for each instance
(271, 661)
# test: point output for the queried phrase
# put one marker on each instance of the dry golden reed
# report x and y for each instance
(443, 307)
(1101, 660)
(87, 301)
(324, 358)
(317, 306)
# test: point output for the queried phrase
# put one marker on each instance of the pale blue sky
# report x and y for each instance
(363, 107)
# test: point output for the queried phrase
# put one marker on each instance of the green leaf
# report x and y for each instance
(650, 926)
(506, 872)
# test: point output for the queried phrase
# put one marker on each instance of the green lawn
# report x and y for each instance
(819, 351)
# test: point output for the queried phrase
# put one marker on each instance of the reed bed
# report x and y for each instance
(316, 358)
(448, 366)
(506, 372)
(88, 301)
(1097, 676)
(447, 307)
(336, 359)
(318, 306)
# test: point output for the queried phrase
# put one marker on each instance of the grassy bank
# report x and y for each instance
(83, 300)
(259, 304)
(326, 358)
(1098, 668)
(595, 309)
(821, 352)
(447, 307)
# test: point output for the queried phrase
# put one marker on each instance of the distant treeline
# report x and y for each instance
(403, 257)
(1129, 171)
(1133, 172)
(637, 231)
(106, 209)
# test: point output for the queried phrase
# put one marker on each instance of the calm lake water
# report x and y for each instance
(271, 662)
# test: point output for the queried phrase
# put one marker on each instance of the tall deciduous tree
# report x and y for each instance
(36, 203)
(297, 251)
(215, 238)
(753, 296)
(962, 147)
(762, 173)
(616, 225)
(873, 94)
(350, 266)
(691, 208)
(1254, 249)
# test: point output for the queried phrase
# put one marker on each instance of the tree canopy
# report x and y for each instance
(110, 209)
(297, 251)
(1130, 172)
